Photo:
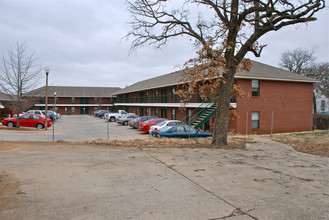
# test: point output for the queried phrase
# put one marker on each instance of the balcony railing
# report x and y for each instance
(150, 99)
(172, 98)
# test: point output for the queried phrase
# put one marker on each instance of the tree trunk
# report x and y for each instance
(223, 109)
(17, 117)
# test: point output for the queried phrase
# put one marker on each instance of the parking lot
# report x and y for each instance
(267, 180)
(72, 128)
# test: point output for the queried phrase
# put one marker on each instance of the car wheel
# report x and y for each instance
(125, 123)
(10, 124)
(112, 119)
(39, 126)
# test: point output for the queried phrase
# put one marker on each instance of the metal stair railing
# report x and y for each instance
(32, 106)
(201, 110)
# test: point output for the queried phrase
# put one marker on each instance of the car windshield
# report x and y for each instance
(165, 129)
(190, 129)
(162, 123)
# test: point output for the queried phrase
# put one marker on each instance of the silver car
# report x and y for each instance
(125, 120)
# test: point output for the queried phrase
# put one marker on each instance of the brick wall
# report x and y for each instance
(290, 102)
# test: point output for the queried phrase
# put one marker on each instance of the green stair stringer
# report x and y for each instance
(32, 106)
(206, 115)
(201, 114)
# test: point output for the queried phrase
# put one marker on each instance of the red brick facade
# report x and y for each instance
(291, 104)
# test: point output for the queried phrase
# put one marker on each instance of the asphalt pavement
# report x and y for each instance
(74, 128)
(268, 180)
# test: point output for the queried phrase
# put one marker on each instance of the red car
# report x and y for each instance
(145, 126)
(27, 120)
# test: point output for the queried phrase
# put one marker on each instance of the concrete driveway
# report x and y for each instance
(73, 127)
(268, 180)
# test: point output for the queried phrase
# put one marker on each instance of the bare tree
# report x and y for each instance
(226, 29)
(320, 71)
(19, 75)
(303, 62)
(297, 60)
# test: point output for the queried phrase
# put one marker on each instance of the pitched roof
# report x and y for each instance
(4, 97)
(258, 71)
(69, 91)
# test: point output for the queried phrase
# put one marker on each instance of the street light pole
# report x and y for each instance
(46, 106)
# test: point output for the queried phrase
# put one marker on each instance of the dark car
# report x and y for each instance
(50, 115)
(102, 114)
(99, 113)
(142, 119)
(180, 131)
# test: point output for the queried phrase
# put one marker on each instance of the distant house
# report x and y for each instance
(73, 100)
(275, 101)
(322, 102)
(5, 108)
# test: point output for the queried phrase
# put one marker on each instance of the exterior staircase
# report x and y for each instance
(204, 116)
(32, 106)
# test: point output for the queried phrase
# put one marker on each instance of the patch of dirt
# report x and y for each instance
(9, 189)
(235, 142)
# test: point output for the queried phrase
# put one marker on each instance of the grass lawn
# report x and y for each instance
(309, 142)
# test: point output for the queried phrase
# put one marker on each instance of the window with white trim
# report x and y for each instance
(173, 116)
(323, 105)
(255, 88)
(255, 120)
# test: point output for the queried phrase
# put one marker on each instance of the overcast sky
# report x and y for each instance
(82, 41)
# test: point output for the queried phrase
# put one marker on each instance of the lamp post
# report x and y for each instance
(46, 106)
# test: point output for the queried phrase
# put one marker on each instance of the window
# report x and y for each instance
(35, 117)
(73, 109)
(24, 117)
(255, 120)
(95, 99)
(73, 99)
(255, 87)
(323, 105)
(173, 116)
(66, 109)
(179, 130)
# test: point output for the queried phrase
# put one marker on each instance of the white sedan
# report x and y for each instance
(165, 124)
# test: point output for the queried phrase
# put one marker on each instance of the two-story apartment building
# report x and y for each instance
(74, 100)
(275, 101)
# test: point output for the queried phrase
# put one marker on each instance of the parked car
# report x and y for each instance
(112, 117)
(142, 119)
(125, 120)
(99, 112)
(165, 124)
(180, 131)
(57, 115)
(27, 120)
(40, 112)
(145, 126)
(132, 122)
(37, 112)
(50, 114)
(103, 113)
